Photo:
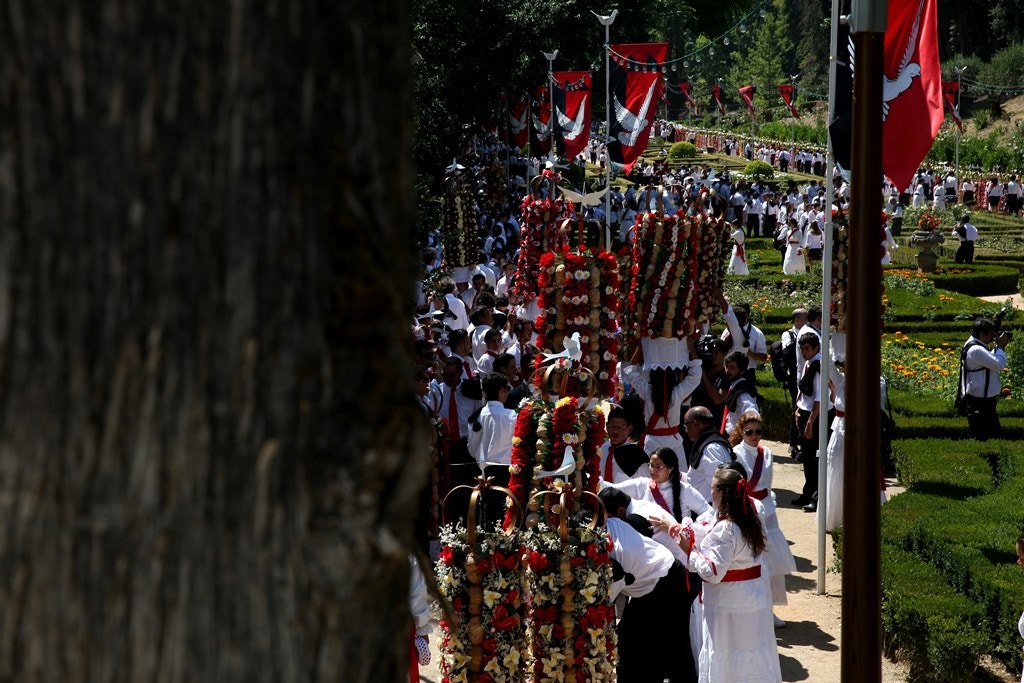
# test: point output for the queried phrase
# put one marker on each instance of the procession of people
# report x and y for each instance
(682, 472)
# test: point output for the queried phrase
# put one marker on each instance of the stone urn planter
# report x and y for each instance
(926, 241)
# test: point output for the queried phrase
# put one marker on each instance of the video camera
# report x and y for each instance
(705, 348)
(999, 323)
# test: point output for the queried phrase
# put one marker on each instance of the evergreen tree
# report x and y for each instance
(766, 59)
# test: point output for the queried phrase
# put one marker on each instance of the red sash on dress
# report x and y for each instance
(660, 499)
(739, 251)
(742, 574)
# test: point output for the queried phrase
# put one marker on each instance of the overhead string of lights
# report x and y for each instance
(709, 47)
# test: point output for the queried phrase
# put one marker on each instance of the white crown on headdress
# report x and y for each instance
(664, 352)
(837, 342)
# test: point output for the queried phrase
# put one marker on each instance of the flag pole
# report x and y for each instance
(959, 127)
(826, 302)
(607, 22)
(551, 57)
(861, 644)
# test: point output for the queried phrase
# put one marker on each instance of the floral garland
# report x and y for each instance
(436, 436)
(459, 245)
(483, 584)
(538, 233)
(840, 266)
(579, 292)
(543, 431)
(570, 621)
(677, 263)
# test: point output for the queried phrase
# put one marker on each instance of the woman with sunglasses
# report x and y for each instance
(738, 642)
(666, 487)
(756, 459)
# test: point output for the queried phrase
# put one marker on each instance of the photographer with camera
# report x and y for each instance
(979, 376)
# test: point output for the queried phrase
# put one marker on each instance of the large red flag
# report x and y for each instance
(787, 96)
(717, 91)
(636, 85)
(573, 97)
(540, 131)
(747, 93)
(911, 88)
(950, 89)
(518, 120)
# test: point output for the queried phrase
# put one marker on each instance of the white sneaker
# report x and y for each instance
(779, 623)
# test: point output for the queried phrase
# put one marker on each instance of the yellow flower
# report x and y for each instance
(511, 660)
(491, 597)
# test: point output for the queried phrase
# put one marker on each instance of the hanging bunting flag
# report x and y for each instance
(573, 98)
(540, 131)
(951, 90)
(788, 93)
(717, 90)
(911, 88)
(636, 85)
(518, 120)
(685, 88)
(747, 93)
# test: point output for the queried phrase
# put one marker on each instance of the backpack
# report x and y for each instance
(780, 369)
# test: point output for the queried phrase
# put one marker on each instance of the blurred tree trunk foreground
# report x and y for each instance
(207, 459)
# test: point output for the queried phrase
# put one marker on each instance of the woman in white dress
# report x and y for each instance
(738, 636)
(738, 262)
(793, 260)
(757, 461)
(666, 487)
(663, 390)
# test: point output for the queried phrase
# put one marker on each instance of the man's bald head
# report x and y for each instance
(699, 413)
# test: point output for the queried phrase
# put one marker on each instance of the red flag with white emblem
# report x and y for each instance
(636, 85)
(573, 98)
(518, 120)
(951, 89)
(717, 91)
(911, 88)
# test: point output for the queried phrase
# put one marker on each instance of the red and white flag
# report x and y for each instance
(911, 88)
(950, 90)
(747, 93)
(540, 128)
(636, 85)
(519, 120)
(788, 93)
(684, 87)
(717, 92)
(573, 98)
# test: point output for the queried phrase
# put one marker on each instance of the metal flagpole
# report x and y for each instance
(826, 306)
(607, 21)
(552, 118)
(959, 131)
(861, 641)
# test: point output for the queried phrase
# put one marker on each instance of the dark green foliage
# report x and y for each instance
(682, 150)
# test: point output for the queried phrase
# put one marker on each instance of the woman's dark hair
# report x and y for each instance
(671, 460)
(736, 506)
(663, 381)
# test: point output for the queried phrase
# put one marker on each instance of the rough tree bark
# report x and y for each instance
(208, 456)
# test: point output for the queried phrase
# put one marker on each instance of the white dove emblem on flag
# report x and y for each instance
(633, 125)
(517, 124)
(893, 88)
(543, 129)
(572, 129)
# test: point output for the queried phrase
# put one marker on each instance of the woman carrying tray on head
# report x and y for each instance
(664, 387)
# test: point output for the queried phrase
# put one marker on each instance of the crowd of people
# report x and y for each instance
(684, 474)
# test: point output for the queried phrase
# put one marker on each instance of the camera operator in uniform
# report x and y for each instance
(979, 377)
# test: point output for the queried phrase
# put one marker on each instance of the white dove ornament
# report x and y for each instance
(571, 128)
(565, 470)
(571, 349)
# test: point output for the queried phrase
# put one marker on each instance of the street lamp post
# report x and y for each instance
(959, 73)
(551, 56)
(607, 21)
(719, 103)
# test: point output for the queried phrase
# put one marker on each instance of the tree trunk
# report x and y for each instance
(209, 457)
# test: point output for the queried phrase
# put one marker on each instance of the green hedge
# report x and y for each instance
(960, 517)
(936, 631)
(984, 281)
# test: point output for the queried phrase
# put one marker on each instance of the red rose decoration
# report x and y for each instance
(538, 561)
(578, 561)
(484, 566)
(446, 556)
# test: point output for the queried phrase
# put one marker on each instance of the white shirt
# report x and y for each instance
(970, 233)
(744, 404)
(981, 362)
(756, 339)
(618, 475)
(715, 454)
(807, 401)
(639, 488)
(464, 406)
(493, 443)
(646, 559)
